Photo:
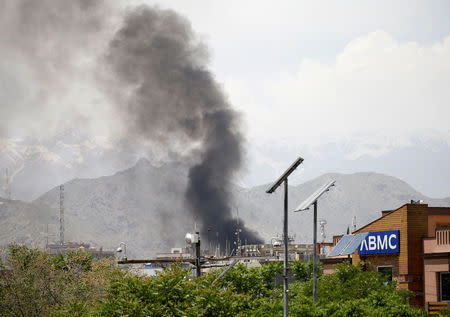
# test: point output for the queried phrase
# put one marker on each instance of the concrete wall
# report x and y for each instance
(432, 268)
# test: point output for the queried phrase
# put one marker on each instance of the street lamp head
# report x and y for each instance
(191, 238)
(119, 249)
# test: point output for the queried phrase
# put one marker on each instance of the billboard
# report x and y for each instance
(380, 242)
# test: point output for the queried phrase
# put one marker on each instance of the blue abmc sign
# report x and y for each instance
(380, 242)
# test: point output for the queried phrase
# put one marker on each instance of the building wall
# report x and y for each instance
(417, 217)
(435, 220)
(407, 266)
(432, 268)
(436, 249)
(395, 220)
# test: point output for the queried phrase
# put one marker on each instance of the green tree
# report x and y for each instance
(37, 284)
(303, 271)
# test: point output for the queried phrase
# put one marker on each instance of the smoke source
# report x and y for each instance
(163, 90)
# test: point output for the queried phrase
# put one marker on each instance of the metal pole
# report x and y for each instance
(197, 254)
(286, 250)
(315, 254)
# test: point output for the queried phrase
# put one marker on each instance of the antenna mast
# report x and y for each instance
(322, 223)
(238, 230)
(61, 214)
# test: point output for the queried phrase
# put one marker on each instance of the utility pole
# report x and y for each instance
(197, 256)
(217, 245)
(209, 242)
(46, 244)
(238, 230)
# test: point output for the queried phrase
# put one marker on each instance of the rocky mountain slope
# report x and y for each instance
(26, 223)
(144, 207)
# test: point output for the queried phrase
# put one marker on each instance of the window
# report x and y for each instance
(386, 271)
(445, 286)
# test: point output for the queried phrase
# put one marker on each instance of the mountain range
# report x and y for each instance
(30, 166)
(144, 207)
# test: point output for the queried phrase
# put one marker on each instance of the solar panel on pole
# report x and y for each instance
(312, 200)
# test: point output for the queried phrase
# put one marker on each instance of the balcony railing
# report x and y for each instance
(443, 236)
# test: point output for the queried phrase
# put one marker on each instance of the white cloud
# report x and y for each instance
(378, 93)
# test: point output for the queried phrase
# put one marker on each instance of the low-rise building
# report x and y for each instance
(410, 245)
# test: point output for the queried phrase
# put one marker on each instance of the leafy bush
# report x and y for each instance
(303, 271)
(36, 284)
(257, 281)
(351, 292)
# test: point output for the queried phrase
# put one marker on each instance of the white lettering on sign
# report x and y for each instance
(363, 245)
(392, 246)
(372, 243)
(382, 244)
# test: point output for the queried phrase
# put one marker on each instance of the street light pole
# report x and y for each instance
(194, 238)
(312, 200)
(119, 249)
(315, 254)
(284, 179)
(286, 251)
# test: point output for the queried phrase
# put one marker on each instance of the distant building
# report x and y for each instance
(175, 253)
(298, 251)
(71, 246)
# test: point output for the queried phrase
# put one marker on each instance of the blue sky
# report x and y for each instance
(349, 85)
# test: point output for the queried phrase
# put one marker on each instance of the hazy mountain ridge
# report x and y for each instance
(363, 195)
(35, 165)
(26, 223)
(133, 206)
(144, 207)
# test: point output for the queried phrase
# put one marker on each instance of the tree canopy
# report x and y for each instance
(33, 283)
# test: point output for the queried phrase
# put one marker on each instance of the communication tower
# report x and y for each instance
(61, 214)
(237, 233)
(322, 223)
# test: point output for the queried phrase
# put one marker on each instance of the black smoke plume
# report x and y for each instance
(164, 92)
(156, 77)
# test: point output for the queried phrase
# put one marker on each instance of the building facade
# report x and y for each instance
(411, 245)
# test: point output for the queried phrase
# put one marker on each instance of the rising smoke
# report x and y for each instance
(72, 56)
(172, 96)
(47, 49)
